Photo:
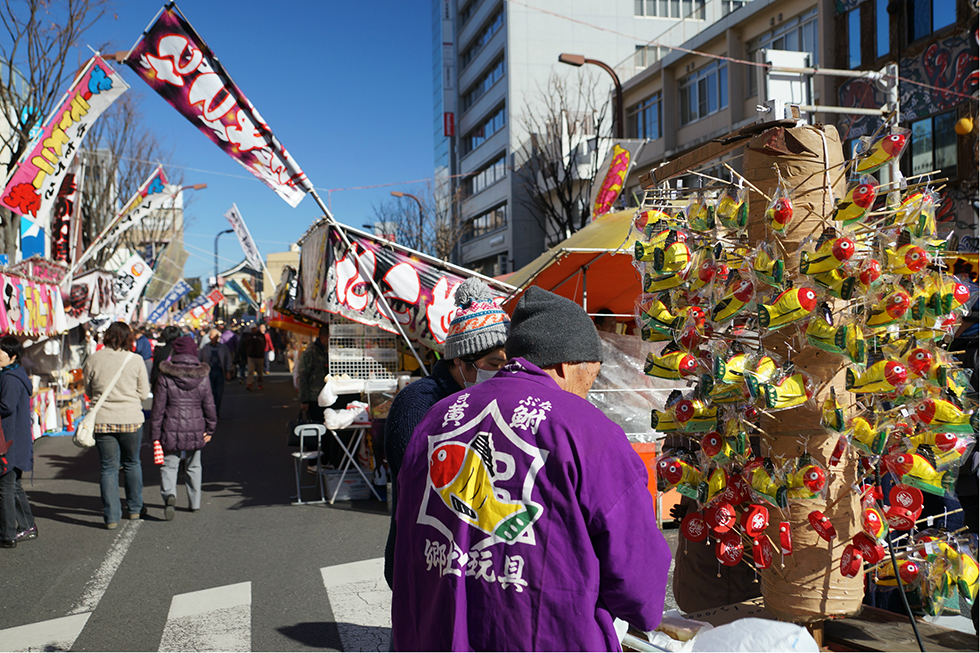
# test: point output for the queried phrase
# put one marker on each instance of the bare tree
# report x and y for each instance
(560, 158)
(439, 225)
(35, 66)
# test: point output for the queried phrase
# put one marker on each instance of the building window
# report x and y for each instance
(644, 119)
(473, 48)
(646, 55)
(482, 85)
(728, 6)
(934, 145)
(854, 38)
(883, 43)
(467, 12)
(484, 223)
(490, 126)
(669, 8)
(486, 176)
(704, 92)
(928, 16)
(798, 34)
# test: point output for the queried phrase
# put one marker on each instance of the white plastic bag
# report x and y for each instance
(756, 635)
(327, 396)
(271, 355)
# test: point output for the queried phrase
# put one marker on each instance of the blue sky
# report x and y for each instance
(345, 86)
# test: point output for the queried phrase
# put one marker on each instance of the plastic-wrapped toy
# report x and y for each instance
(836, 283)
(917, 212)
(884, 376)
(700, 213)
(821, 332)
(779, 212)
(860, 197)
(738, 294)
(832, 415)
(791, 305)
(760, 373)
(808, 481)
(791, 391)
(765, 482)
(656, 316)
(913, 469)
(885, 148)
(948, 296)
(830, 255)
(865, 437)
(653, 283)
(674, 364)
(733, 209)
(731, 369)
(907, 259)
(712, 484)
(675, 472)
(868, 274)
(855, 344)
(767, 267)
(889, 310)
(943, 415)
(709, 270)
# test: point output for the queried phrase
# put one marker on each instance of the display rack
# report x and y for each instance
(363, 352)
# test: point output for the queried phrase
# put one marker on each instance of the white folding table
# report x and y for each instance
(350, 457)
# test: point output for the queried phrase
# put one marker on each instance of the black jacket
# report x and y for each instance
(15, 411)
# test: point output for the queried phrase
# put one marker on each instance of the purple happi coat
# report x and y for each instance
(524, 523)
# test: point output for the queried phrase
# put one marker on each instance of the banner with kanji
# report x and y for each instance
(90, 296)
(612, 174)
(201, 305)
(174, 60)
(178, 290)
(242, 294)
(33, 188)
(128, 285)
(420, 293)
(30, 308)
(252, 255)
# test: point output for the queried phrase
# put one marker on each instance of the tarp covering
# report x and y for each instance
(595, 263)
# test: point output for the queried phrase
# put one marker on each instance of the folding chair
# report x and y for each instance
(308, 434)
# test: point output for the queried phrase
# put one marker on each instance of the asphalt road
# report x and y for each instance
(248, 571)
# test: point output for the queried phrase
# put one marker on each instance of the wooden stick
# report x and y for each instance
(747, 182)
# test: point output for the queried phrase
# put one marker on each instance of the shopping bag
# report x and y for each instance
(157, 453)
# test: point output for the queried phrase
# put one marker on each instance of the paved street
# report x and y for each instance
(247, 572)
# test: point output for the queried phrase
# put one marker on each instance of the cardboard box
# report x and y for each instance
(353, 488)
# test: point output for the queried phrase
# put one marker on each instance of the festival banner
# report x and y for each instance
(245, 297)
(128, 285)
(174, 60)
(30, 308)
(153, 194)
(212, 299)
(32, 189)
(178, 290)
(420, 293)
(611, 176)
(62, 219)
(252, 255)
(90, 296)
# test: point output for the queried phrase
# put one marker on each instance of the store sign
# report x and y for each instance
(334, 281)
(33, 188)
(30, 308)
(173, 59)
(448, 124)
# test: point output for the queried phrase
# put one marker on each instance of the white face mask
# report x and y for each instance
(481, 376)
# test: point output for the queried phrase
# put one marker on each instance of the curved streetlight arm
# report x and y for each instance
(397, 193)
(220, 233)
(619, 111)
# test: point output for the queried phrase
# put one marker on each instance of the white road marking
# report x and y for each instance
(361, 604)
(96, 586)
(216, 619)
(53, 635)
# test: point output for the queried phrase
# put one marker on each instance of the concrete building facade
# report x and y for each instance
(490, 60)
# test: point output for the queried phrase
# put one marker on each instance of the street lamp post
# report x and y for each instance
(396, 193)
(619, 113)
(219, 234)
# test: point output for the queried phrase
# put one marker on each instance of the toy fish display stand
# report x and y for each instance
(810, 587)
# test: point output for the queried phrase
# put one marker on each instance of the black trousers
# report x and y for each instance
(15, 511)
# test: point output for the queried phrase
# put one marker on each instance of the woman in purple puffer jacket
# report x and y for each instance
(183, 421)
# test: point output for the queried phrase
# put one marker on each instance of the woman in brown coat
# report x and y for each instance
(183, 420)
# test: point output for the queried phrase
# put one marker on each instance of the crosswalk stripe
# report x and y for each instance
(53, 635)
(97, 585)
(216, 619)
(361, 604)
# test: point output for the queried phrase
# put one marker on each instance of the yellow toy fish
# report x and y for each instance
(865, 437)
(779, 214)
(913, 469)
(942, 415)
(853, 342)
(791, 391)
(907, 259)
(674, 365)
(732, 210)
(884, 376)
(836, 283)
(762, 478)
(461, 475)
(731, 370)
(832, 415)
(821, 332)
(655, 315)
(859, 198)
(889, 310)
(700, 214)
(949, 295)
(673, 472)
(656, 283)
(883, 150)
(806, 483)
(829, 256)
(715, 484)
(739, 294)
(707, 271)
(765, 370)
(917, 212)
(768, 268)
(791, 305)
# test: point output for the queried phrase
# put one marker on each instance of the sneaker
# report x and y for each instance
(8, 544)
(169, 511)
(133, 516)
(112, 526)
(29, 534)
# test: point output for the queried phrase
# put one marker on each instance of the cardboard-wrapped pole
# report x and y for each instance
(809, 587)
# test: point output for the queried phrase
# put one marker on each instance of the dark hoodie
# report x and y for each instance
(15, 412)
(183, 408)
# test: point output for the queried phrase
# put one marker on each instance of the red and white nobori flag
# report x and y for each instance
(32, 189)
(174, 60)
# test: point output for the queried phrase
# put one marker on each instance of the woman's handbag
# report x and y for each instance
(85, 432)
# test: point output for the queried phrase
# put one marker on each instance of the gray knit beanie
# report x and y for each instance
(479, 324)
(548, 329)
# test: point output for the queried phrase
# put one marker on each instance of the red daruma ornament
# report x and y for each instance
(822, 525)
(908, 571)
(873, 523)
(761, 552)
(899, 518)
(720, 518)
(905, 496)
(869, 548)
(729, 549)
(851, 562)
(785, 538)
(755, 520)
(694, 528)
(737, 490)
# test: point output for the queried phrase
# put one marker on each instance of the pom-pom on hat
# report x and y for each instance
(479, 324)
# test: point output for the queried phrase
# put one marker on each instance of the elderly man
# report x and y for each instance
(524, 519)
(216, 354)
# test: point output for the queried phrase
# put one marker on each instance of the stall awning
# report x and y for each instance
(593, 267)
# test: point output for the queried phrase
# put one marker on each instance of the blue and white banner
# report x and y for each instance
(245, 297)
(178, 290)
